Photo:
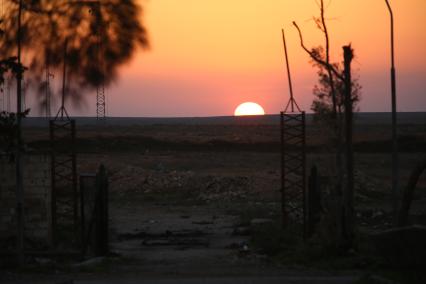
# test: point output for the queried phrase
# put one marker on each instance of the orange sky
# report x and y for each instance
(207, 56)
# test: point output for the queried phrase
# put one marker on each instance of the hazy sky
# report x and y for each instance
(208, 56)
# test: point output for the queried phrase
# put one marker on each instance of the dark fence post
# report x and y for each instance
(348, 195)
(102, 213)
(94, 213)
(313, 203)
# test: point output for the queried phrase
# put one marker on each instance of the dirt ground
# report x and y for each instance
(183, 198)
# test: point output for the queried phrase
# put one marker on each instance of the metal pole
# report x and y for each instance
(288, 73)
(64, 79)
(348, 195)
(283, 197)
(19, 175)
(395, 162)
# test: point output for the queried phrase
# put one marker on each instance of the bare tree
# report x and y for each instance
(343, 93)
(47, 25)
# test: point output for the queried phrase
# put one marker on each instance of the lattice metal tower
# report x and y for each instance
(100, 88)
(293, 158)
(95, 10)
(64, 223)
(100, 103)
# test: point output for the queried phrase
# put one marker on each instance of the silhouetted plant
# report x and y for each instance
(322, 104)
(100, 36)
(336, 94)
(8, 129)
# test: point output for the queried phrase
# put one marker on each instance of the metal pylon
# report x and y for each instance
(65, 225)
(48, 94)
(100, 103)
(293, 158)
(64, 195)
(100, 88)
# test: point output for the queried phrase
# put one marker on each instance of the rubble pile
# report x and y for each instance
(202, 187)
(367, 188)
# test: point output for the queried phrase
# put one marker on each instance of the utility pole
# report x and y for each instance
(292, 101)
(100, 88)
(47, 91)
(19, 170)
(348, 195)
(395, 162)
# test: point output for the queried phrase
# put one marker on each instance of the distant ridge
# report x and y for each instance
(366, 118)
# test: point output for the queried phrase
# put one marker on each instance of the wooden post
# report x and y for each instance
(395, 162)
(408, 193)
(101, 213)
(19, 165)
(313, 204)
(348, 195)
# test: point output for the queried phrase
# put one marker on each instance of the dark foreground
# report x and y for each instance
(192, 203)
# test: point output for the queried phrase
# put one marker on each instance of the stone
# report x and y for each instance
(90, 262)
(402, 247)
(241, 231)
(260, 221)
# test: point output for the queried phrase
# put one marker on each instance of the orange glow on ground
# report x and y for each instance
(249, 108)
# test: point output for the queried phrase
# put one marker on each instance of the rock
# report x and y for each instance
(203, 222)
(66, 282)
(402, 247)
(241, 231)
(43, 261)
(244, 250)
(90, 262)
(260, 221)
(377, 214)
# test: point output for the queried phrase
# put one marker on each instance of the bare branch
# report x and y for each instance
(316, 58)
(327, 57)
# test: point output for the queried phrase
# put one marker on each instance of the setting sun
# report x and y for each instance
(249, 108)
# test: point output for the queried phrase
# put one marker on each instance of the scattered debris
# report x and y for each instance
(203, 222)
(260, 221)
(241, 231)
(173, 241)
(402, 247)
(90, 262)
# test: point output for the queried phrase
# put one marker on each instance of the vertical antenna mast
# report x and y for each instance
(62, 111)
(293, 158)
(395, 158)
(100, 88)
(292, 101)
(3, 106)
(18, 157)
(48, 94)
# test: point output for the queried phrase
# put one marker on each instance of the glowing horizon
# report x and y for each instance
(208, 56)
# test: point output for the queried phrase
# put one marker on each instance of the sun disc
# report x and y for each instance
(249, 108)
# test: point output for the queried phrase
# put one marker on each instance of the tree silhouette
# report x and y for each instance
(336, 94)
(323, 103)
(100, 35)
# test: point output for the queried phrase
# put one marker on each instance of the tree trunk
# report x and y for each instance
(407, 196)
(348, 194)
